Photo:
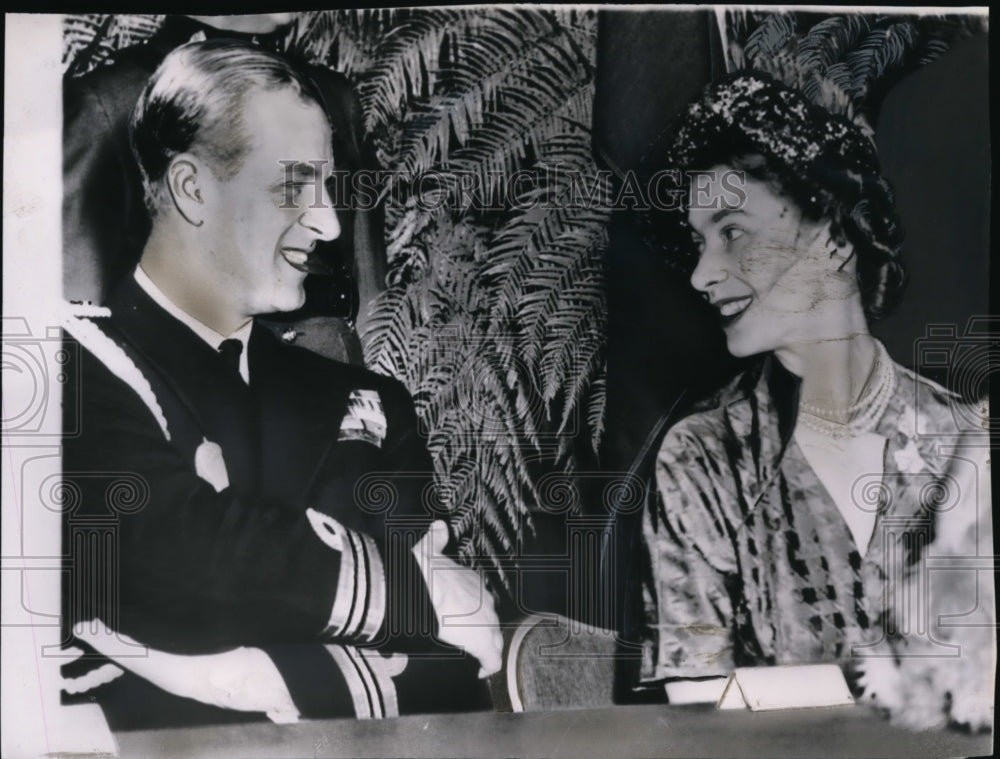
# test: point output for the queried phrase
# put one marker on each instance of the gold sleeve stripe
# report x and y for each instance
(359, 607)
(375, 612)
(369, 676)
(356, 614)
(364, 704)
(383, 669)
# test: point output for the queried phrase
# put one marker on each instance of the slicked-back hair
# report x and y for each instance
(194, 103)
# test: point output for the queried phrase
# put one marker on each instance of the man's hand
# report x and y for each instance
(244, 679)
(463, 607)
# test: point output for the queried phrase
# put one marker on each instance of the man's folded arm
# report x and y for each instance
(428, 594)
(381, 542)
(229, 565)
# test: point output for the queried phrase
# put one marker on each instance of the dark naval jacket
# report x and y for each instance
(212, 514)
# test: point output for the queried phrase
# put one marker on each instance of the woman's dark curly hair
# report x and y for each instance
(824, 163)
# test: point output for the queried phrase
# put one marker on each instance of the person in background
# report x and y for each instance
(792, 517)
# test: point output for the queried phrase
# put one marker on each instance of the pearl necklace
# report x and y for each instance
(864, 414)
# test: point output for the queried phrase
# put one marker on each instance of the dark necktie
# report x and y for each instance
(230, 351)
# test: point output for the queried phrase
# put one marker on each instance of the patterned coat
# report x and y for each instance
(748, 561)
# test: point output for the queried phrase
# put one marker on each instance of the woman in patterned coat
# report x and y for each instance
(802, 516)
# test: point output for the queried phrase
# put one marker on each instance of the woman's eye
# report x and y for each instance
(699, 244)
(731, 234)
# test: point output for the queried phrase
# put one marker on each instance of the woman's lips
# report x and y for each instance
(296, 257)
(730, 309)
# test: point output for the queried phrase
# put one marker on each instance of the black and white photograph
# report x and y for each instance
(498, 381)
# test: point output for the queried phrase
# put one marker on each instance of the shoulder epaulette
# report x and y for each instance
(78, 322)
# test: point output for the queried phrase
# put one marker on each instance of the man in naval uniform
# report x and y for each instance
(106, 223)
(254, 532)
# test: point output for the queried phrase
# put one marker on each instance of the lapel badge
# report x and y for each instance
(364, 418)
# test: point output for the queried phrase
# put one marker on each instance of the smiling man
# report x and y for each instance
(249, 573)
(106, 224)
(226, 242)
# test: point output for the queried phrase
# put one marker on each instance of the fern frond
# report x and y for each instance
(85, 42)
(389, 326)
(406, 64)
(596, 404)
(773, 33)
(933, 50)
(830, 40)
(881, 50)
(474, 89)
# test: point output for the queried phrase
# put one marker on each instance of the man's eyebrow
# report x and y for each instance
(302, 170)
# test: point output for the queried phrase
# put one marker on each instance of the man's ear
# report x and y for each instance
(185, 176)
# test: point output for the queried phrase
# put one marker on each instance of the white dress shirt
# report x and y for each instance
(206, 333)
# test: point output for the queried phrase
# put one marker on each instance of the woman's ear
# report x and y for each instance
(185, 176)
(833, 246)
(841, 252)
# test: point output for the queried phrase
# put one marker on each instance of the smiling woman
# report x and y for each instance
(768, 270)
(792, 515)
